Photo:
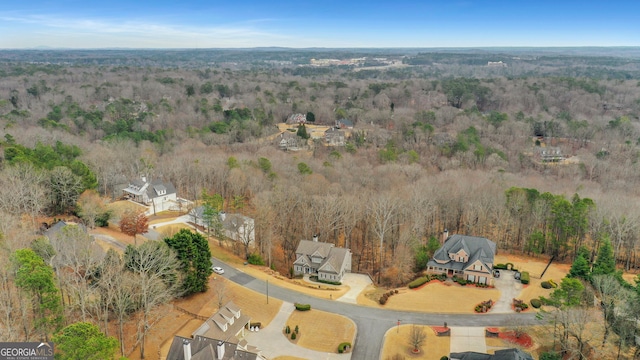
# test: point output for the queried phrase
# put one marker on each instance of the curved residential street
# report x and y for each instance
(373, 323)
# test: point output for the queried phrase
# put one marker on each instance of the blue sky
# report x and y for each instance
(320, 23)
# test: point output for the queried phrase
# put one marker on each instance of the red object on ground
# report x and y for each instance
(440, 329)
(524, 340)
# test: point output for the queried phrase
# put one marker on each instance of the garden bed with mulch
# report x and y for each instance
(523, 340)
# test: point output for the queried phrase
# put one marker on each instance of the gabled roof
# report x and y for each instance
(214, 326)
(477, 248)
(335, 261)
(308, 247)
(505, 354)
(204, 348)
(156, 185)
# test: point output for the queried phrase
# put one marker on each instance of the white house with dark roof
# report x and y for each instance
(330, 263)
(468, 257)
(157, 194)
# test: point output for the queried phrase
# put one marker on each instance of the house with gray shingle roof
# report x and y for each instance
(326, 260)
(228, 324)
(504, 354)
(467, 257)
(204, 348)
(159, 195)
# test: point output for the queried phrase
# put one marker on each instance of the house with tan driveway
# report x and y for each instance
(467, 257)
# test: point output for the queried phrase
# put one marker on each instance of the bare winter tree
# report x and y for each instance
(156, 269)
(417, 337)
(76, 260)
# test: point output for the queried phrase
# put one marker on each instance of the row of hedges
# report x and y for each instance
(524, 277)
(303, 307)
(343, 347)
(329, 282)
(383, 299)
(507, 266)
(425, 279)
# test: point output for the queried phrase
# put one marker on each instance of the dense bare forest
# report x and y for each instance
(440, 141)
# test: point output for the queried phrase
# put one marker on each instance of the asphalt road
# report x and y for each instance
(372, 323)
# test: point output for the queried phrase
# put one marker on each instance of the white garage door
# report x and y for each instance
(471, 278)
(482, 280)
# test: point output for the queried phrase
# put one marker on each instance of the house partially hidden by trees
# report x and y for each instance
(467, 257)
(344, 124)
(334, 137)
(330, 263)
(297, 119)
(236, 227)
(157, 194)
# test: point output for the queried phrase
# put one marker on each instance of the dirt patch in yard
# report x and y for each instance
(321, 331)
(170, 230)
(396, 342)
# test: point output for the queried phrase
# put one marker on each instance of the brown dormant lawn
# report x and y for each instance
(535, 267)
(435, 297)
(397, 343)
(321, 331)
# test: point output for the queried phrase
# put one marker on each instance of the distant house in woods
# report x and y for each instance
(236, 227)
(330, 263)
(297, 119)
(344, 124)
(157, 194)
(334, 137)
(218, 338)
(468, 257)
(504, 354)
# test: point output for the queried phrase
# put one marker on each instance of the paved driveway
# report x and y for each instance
(273, 343)
(356, 283)
(468, 339)
(509, 288)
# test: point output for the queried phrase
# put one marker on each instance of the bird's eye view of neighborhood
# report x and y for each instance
(286, 180)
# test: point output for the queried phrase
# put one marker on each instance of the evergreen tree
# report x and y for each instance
(605, 262)
(580, 269)
(194, 254)
(302, 132)
(84, 341)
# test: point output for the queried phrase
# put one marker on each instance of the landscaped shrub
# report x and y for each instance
(500, 267)
(444, 357)
(553, 283)
(303, 307)
(461, 281)
(382, 300)
(329, 282)
(418, 282)
(395, 291)
(546, 285)
(343, 347)
(293, 336)
(287, 330)
(297, 330)
(536, 303)
(255, 259)
(524, 277)
(441, 277)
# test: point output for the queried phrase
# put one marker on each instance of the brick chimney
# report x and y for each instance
(445, 235)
